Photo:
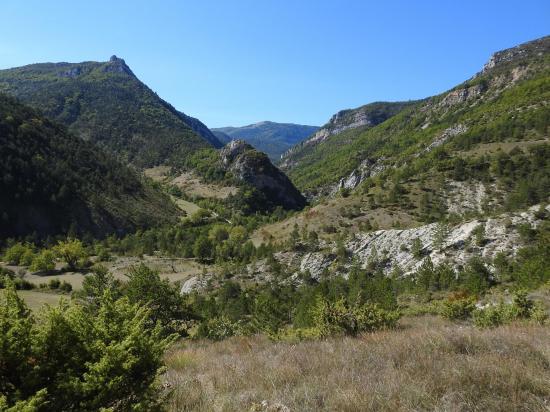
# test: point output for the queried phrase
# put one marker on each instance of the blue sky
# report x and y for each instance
(239, 62)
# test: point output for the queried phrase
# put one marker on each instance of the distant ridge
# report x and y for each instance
(269, 137)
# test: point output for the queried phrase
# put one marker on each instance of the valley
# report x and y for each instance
(396, 258)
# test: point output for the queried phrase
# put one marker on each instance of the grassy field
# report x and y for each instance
(36, 299)
(174, 269)
(428, 364)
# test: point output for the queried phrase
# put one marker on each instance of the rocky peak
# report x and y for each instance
(254, 167)
(117, 65)
(232, 150)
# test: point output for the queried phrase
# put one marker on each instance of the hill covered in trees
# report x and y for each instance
(106, 103)
(53, 182)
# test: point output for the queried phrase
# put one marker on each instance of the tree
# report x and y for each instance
(416, 248)
(440, 235)
(73, 360)
(94, 285)
(71, 251)
(479, 234)
(203, 248)
(44, 261)
(165, 303)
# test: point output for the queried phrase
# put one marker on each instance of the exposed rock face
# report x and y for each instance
(255, 168)
(117, 65)
(367, 168)
(393, 248)
(457, 248)
(446, 135)
(461, 95)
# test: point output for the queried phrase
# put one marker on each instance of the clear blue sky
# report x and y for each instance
(237, 62)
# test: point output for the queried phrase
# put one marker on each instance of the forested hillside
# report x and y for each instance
(52, 182)
(106, 103)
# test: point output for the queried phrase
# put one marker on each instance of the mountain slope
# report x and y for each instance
(106, 103)
(268, 137)
(52, 181)
(363, 117)
(506, 102)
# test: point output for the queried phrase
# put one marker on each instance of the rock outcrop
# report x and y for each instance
(255, 168)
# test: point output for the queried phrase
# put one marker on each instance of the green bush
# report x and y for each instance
(70, 359)
(54, 284)
(65, 287)
(521, 308)
(218, 328)
(44, 261)
(340, 318)
(458, 306)
(19, 254)
(493, 315)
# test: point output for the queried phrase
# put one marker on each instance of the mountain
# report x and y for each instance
(365, 117)
(504, 105)
(104, 102)
(254, 168)
(53, 182)
(268, 137)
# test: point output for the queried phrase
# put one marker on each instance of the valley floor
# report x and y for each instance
(427, 364)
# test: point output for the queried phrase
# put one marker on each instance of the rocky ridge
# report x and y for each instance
(392, 248)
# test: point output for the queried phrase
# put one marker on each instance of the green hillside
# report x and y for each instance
(104, 102)
(506, 102)
(53, 182)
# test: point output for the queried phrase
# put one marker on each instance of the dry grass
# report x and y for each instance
(35, 299)
(427, 365)
(173, 269)
(330, 211)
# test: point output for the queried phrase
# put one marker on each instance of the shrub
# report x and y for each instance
(103, 254)
(218, 328)
(337, 318)
(44, 261)
(54, 284)
(5, 276)
(521, 308)
(491, 316)
(18, 254)
(66, 287)
(458, 306)
(72, 360)
(539, 313)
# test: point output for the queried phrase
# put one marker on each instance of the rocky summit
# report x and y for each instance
(254, 167)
